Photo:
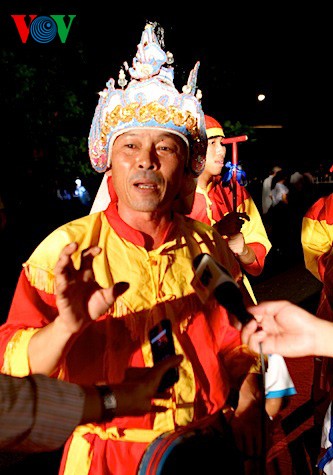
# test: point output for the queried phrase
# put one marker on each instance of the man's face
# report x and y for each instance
(147, 169)
(215, 156)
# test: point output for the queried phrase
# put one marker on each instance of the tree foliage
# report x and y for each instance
(43, 100)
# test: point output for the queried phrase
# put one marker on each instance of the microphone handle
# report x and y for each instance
(244, 317)
(229, 295)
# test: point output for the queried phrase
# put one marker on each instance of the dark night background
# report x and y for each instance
(49, 94)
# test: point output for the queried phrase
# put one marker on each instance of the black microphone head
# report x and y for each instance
(197, 260)
(229, 295)
(215, 279)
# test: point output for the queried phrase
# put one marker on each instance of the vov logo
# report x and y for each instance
(43, 29)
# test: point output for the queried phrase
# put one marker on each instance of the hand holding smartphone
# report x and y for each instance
(162, 346)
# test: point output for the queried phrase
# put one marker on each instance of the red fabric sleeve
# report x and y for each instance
(322, 210)
(257, 265)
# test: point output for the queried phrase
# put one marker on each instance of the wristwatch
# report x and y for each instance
(109, 402)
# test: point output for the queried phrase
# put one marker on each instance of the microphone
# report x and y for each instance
(212, 278)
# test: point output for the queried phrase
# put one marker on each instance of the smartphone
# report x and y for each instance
(162, 346)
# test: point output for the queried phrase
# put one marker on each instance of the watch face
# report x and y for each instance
(110, 401)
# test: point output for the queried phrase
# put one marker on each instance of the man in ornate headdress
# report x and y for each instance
(153, 140)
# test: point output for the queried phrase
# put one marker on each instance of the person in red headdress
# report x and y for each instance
(213, 204)
(246, 236)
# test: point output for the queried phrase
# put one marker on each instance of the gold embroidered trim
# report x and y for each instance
(152, 110)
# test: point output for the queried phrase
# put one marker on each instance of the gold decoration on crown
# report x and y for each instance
(145, 113)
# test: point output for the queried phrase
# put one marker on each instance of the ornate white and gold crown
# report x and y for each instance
(149, 100)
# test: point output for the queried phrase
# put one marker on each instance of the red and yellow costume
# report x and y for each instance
(211, 205)
(317, 236)
(160, 286)
(317, 243)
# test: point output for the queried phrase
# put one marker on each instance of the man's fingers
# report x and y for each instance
(155, 408)
(87, 257)
(64, 265)
(135, 374)
(112, 293)
(119, 288)
(170, 362)
(65, 255)
(243, 216)
(256, 339)
(69, 249)
(250, 327)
